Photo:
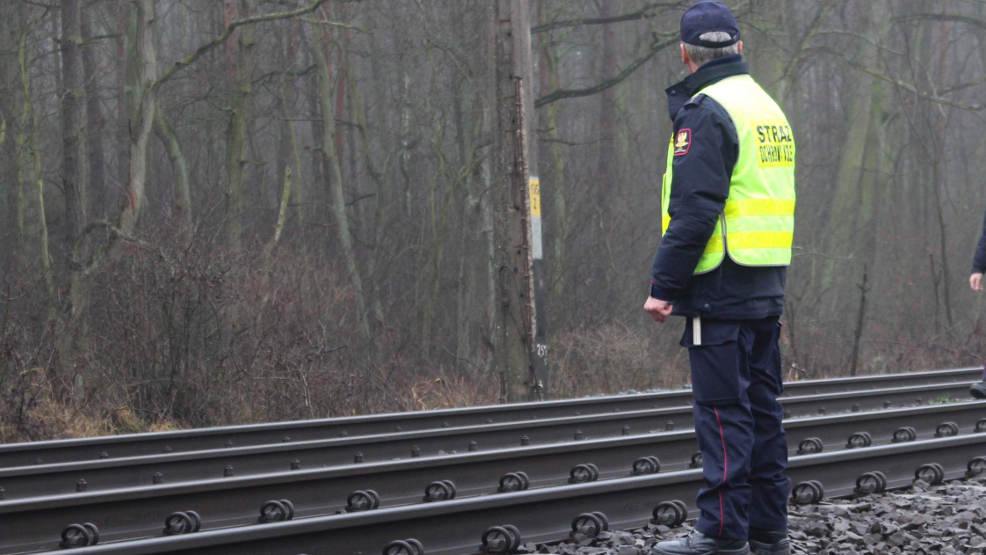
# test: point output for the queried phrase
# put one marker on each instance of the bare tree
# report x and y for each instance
(262, 209)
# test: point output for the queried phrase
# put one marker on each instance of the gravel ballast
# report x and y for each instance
(945, 519)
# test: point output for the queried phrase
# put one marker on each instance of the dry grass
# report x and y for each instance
(31, 410)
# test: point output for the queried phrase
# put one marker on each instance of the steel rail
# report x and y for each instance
(129, 445)
(57, 478)
(45, 479)
(139, 512)
(547, 514)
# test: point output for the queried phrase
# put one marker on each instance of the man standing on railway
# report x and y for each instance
(978, 389)
(728, 200)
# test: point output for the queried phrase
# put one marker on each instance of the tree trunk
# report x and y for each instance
(854, 181)
(10, 199)
(96, 185)
(326, 91)
(468, 120)
(179, 164)
(238, 57)
(142, 97)
(605, 183)
(73, 176)
(377, 220)
(10, 105)
(292, 91)
(71, 328)
(268, 258)
(29, 168)
(940, 178)
(516, 351)
(126, 22)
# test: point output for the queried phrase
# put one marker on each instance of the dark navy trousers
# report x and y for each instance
(736, 379)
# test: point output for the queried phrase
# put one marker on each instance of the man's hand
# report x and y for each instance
(976, 281)
(660, 310)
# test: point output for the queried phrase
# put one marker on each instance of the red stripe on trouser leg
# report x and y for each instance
(725, 471)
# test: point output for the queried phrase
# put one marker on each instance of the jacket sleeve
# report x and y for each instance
(699, 187)
(979, 261)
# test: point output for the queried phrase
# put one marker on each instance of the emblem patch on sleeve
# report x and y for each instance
(682, 142)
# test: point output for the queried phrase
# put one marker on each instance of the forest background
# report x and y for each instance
(228, 211)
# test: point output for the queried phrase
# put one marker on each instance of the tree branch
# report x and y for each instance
(642, 13)
(188, 60)
(346, 26)
(96, 259)
(960, 86)
(599, 87)
(943, 17)
(902, 84)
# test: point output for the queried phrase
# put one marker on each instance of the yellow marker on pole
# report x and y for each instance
(535, 185)
(534, 192)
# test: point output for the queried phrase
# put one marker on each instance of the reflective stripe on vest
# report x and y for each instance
(756, 227)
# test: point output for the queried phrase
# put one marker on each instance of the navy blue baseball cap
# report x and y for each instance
(706, 17)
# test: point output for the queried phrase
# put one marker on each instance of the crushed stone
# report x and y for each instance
(945, 519)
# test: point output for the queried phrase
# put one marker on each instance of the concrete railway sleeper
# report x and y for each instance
(50, 479)
(129, 445)
(499, 524)
(35, 523)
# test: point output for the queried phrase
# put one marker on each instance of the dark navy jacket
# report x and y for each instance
(979, 261)
(699, 190)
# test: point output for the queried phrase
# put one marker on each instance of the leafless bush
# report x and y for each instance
(612, 358)
(35, 401)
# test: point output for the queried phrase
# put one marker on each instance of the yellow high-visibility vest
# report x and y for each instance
(756, 228)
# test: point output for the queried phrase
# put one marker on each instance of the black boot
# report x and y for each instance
(978, 390)
(698, 543)
(779, 547)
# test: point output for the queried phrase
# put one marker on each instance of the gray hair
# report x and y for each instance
(702, 54)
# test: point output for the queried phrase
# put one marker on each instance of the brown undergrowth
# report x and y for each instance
(188, 338)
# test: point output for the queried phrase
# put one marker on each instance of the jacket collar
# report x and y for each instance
(709, 73)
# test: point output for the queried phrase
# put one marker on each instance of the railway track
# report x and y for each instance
(325, 501)
(496, 523)
(36, 523)
(50, 479)
(129, 445)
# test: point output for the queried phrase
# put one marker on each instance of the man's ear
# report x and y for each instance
(739, 47)
(684, 53)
